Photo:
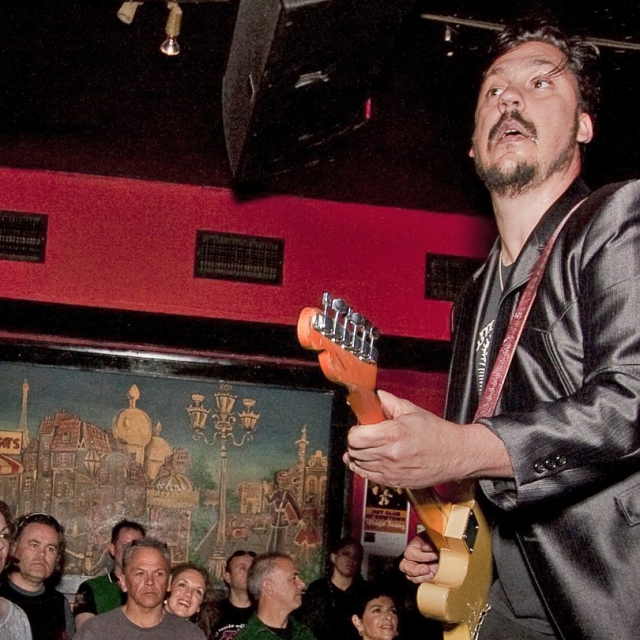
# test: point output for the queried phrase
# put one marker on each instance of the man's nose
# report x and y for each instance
(511, 99)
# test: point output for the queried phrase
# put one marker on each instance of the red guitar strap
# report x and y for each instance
(494, 385)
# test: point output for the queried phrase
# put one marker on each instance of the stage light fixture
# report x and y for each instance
(170, 46)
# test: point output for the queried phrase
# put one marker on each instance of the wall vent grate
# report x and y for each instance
(226, 256)
(446, 275)
(23, 236)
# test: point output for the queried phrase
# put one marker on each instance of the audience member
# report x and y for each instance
(412, 623)
(146, 579)
(189, 587)
(330, 602)
(233, 613)
(377, 617)
(103, 593)
(276, 586)
(37, 553)
(14, 624)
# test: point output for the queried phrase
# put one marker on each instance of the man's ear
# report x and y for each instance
(267, 587)
(585, 128)
(111, 549)
(122, 583)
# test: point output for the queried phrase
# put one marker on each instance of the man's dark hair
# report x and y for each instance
(581, 57)
(41, 518)
(237, 554)
(338, 546)
(126, 524)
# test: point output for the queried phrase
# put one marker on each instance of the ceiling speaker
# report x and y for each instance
(298, 77)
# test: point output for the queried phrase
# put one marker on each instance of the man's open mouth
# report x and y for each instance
(511, 128)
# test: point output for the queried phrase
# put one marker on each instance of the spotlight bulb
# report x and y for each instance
(170, 46)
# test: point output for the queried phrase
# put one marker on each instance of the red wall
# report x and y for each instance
(128, 244)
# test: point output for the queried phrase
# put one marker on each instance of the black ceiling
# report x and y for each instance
(84, 92)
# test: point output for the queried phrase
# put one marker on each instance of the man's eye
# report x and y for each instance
(494, 92)
(541, 83)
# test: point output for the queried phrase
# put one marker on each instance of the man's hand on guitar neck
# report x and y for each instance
(416, 448)
(420, 562)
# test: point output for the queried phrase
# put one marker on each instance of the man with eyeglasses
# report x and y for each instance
(234, 612)
(37, 552)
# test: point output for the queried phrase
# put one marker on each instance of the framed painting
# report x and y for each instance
(211, 452)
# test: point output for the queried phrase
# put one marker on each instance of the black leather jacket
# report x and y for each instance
(569, 415)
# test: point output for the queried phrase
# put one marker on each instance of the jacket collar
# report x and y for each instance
(534, 245)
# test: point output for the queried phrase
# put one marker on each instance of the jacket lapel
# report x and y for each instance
(462, 395)
(534, 245)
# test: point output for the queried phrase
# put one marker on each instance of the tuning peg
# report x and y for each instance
(358, 322)
(341, 309)
(326, 302)
(322, 322)
(372, 351)
(369, 335)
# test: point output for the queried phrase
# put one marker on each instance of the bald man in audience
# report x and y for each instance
(276, 586)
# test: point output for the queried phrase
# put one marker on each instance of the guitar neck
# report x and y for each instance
(346, 343)
(366, 405)
(432, 510)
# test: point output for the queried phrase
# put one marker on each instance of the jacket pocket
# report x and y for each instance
(628, 503)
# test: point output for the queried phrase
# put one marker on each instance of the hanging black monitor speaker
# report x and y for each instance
(298, 77)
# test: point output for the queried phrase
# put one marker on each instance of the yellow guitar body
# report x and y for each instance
(457, 596)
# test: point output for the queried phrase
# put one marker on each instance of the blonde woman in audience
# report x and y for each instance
(189, 587)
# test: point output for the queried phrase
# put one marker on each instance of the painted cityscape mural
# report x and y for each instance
(208, 466)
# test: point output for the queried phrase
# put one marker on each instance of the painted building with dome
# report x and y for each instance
(171, 500)
(90, 478)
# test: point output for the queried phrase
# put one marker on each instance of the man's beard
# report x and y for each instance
(524, 176)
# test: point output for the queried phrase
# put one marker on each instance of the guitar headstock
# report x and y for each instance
(345, 341)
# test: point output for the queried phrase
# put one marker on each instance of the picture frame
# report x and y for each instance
(212, 449)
